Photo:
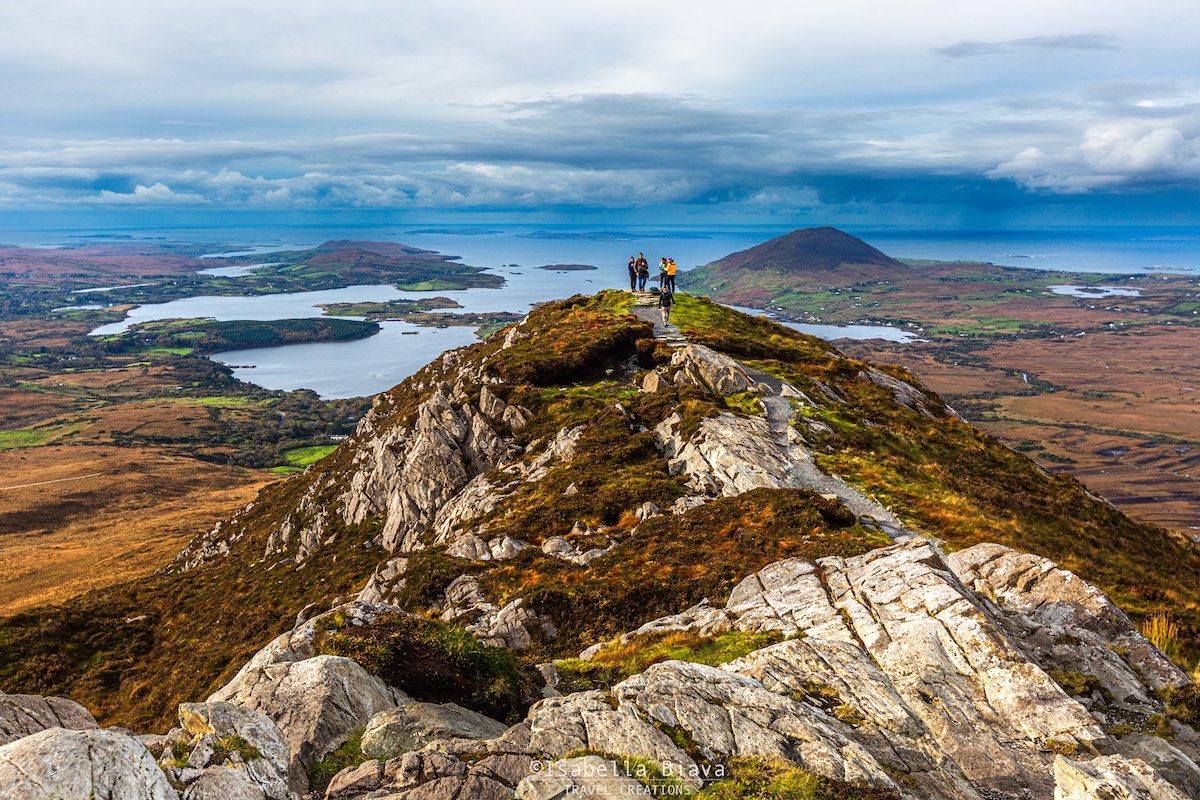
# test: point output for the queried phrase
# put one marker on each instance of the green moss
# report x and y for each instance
(235, 743)
(618, 661)
(773, 779)
(572, 340)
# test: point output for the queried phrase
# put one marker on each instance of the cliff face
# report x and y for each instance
(732, 558)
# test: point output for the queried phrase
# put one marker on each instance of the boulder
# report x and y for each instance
(221, 783)
(654, 382)
(409, 727)
(270, 772)
(1110, 778)
(353, 782)
(704, 367)
(317, 703)
(584, 776)
(61, 764)
(25, 714)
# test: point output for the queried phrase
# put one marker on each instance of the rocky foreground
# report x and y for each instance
(925, 676)
(890, 669)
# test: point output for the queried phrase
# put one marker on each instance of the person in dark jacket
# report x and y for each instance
(632, 274)
(643, 270)
(666, 301)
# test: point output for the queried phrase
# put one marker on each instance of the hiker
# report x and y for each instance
(662, 275)
(672, 268)
(666, 301)
(643, 272)
(632, 274)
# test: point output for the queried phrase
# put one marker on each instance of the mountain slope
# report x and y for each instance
(536, 449)
(817, 256)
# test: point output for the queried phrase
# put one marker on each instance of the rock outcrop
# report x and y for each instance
(61, 764)
(317, 703)
(25, 714)
(397, 731)
(409, 473)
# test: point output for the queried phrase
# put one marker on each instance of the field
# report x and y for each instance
(74, 517)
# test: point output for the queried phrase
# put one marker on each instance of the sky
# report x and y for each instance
(925, 114)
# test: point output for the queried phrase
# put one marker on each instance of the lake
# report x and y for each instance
(368, 366)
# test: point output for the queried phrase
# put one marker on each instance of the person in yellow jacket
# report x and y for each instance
(672, 268)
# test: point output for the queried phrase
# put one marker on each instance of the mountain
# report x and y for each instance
(816, 256)
(741, 557)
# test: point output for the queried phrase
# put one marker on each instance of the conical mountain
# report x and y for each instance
(820, 256)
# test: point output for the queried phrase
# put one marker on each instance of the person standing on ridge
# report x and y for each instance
(666, 301)
(662, 275)
(672, 268)
(643, 271)
(632, 274)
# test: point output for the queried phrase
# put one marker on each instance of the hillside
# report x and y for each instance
(814, 256)
(779, 561)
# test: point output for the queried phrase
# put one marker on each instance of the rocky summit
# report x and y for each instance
(591, 557)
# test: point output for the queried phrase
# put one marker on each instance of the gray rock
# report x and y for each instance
(702, 366)
(517, 417)
(1169, 761)
(558, 547)
(396, 731)
(470, 547)
(503, 548)
(61, 764)
(491, 405)
(686, 504)
(1065, 623)
(654, 382)
(410, 473)
(317, 703)
(647, 510)
(905, 393)
(585, 776)
(1110, 778)
(222, 783)
(273, 773)
(25, 714)
(354, 782)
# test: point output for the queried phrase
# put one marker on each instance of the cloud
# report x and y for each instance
(157, 194)
(1132, 154)
(1077, 41)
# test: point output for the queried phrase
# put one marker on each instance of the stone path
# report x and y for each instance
(645, 307)
(804, 471)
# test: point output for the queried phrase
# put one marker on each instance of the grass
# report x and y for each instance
(235, 743)
(436, 662)
(1163, 632)
(775, 779)
(322, 773)
(673, 562)
(303, 456)
(618, 661)
(36, 437)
